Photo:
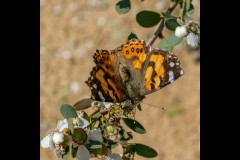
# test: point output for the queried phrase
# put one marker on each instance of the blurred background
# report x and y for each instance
(71, 31)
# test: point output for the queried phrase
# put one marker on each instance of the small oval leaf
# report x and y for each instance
(148, 18)
(68, 111)
(94, 144)
(83, 104)
(74, 152)
(70, 125)
(123, 6)
(163, 45)
(173, 40)
(132, 36)
(143, 150)
(191, 9)
(134, 125)
(171, 24)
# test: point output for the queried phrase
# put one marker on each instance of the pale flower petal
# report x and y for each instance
(95, 135)
(83, 122)
(58, 138)
(62, 124)
(114, 156)
(193, 39)
(57, 153)
(45, 142)
(83, 153)
(181, 31)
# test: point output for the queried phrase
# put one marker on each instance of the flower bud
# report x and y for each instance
(193, 40)
(58, 138)
(181, 31)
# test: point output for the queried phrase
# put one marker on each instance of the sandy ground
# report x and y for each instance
(72, 30)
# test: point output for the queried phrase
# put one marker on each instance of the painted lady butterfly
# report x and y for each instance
(131, 71)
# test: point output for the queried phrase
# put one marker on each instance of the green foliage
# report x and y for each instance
(83, 104)
(74, 152)
(170, 21)
(70, 125)
(132, 36)
(188, 8)
(169, 43)
(148, 18)
(94, 145)
(134, 125)
(143, 150)
(123, 6)
(164, 46)
(68, 111)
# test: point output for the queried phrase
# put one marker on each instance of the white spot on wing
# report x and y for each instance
(181, 72)
(101, 95)
(93, 97)
(95, 86)
(171, 64)
(177, 63)
(171, 76)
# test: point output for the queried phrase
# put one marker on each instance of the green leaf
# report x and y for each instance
(68, 111)
(184, 10)
(70, 125)
(96, 115)
(171, 24)
(191, 9)
(134, 125)
(170, 21)
(83, 104)
(94, 144)
(168, 16)
(164, 46)
(143, 150)
(123, 6)
(188, 4)
(74, 152)
(132, 36)
(173, 40)
(148, 18)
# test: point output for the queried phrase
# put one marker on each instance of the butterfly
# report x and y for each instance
(131, 71)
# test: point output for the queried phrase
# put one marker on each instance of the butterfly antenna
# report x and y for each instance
(163, 108)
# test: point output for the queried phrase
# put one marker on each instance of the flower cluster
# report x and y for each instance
(190, 30)
(78, 142)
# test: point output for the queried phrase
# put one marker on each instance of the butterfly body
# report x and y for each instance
(131, 71)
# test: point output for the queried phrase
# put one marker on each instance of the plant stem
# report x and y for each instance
(159, 30)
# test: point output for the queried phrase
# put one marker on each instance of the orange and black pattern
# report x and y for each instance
(131, 71)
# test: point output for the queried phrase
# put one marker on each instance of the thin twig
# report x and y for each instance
(159, 30)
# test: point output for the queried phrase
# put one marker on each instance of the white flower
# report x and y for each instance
(181, 31)
(82, 123)
(58, 138)
(114, 156)
(83, 153)
(62, 124)
(47, 142)
(193, 39)
(95, 135)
